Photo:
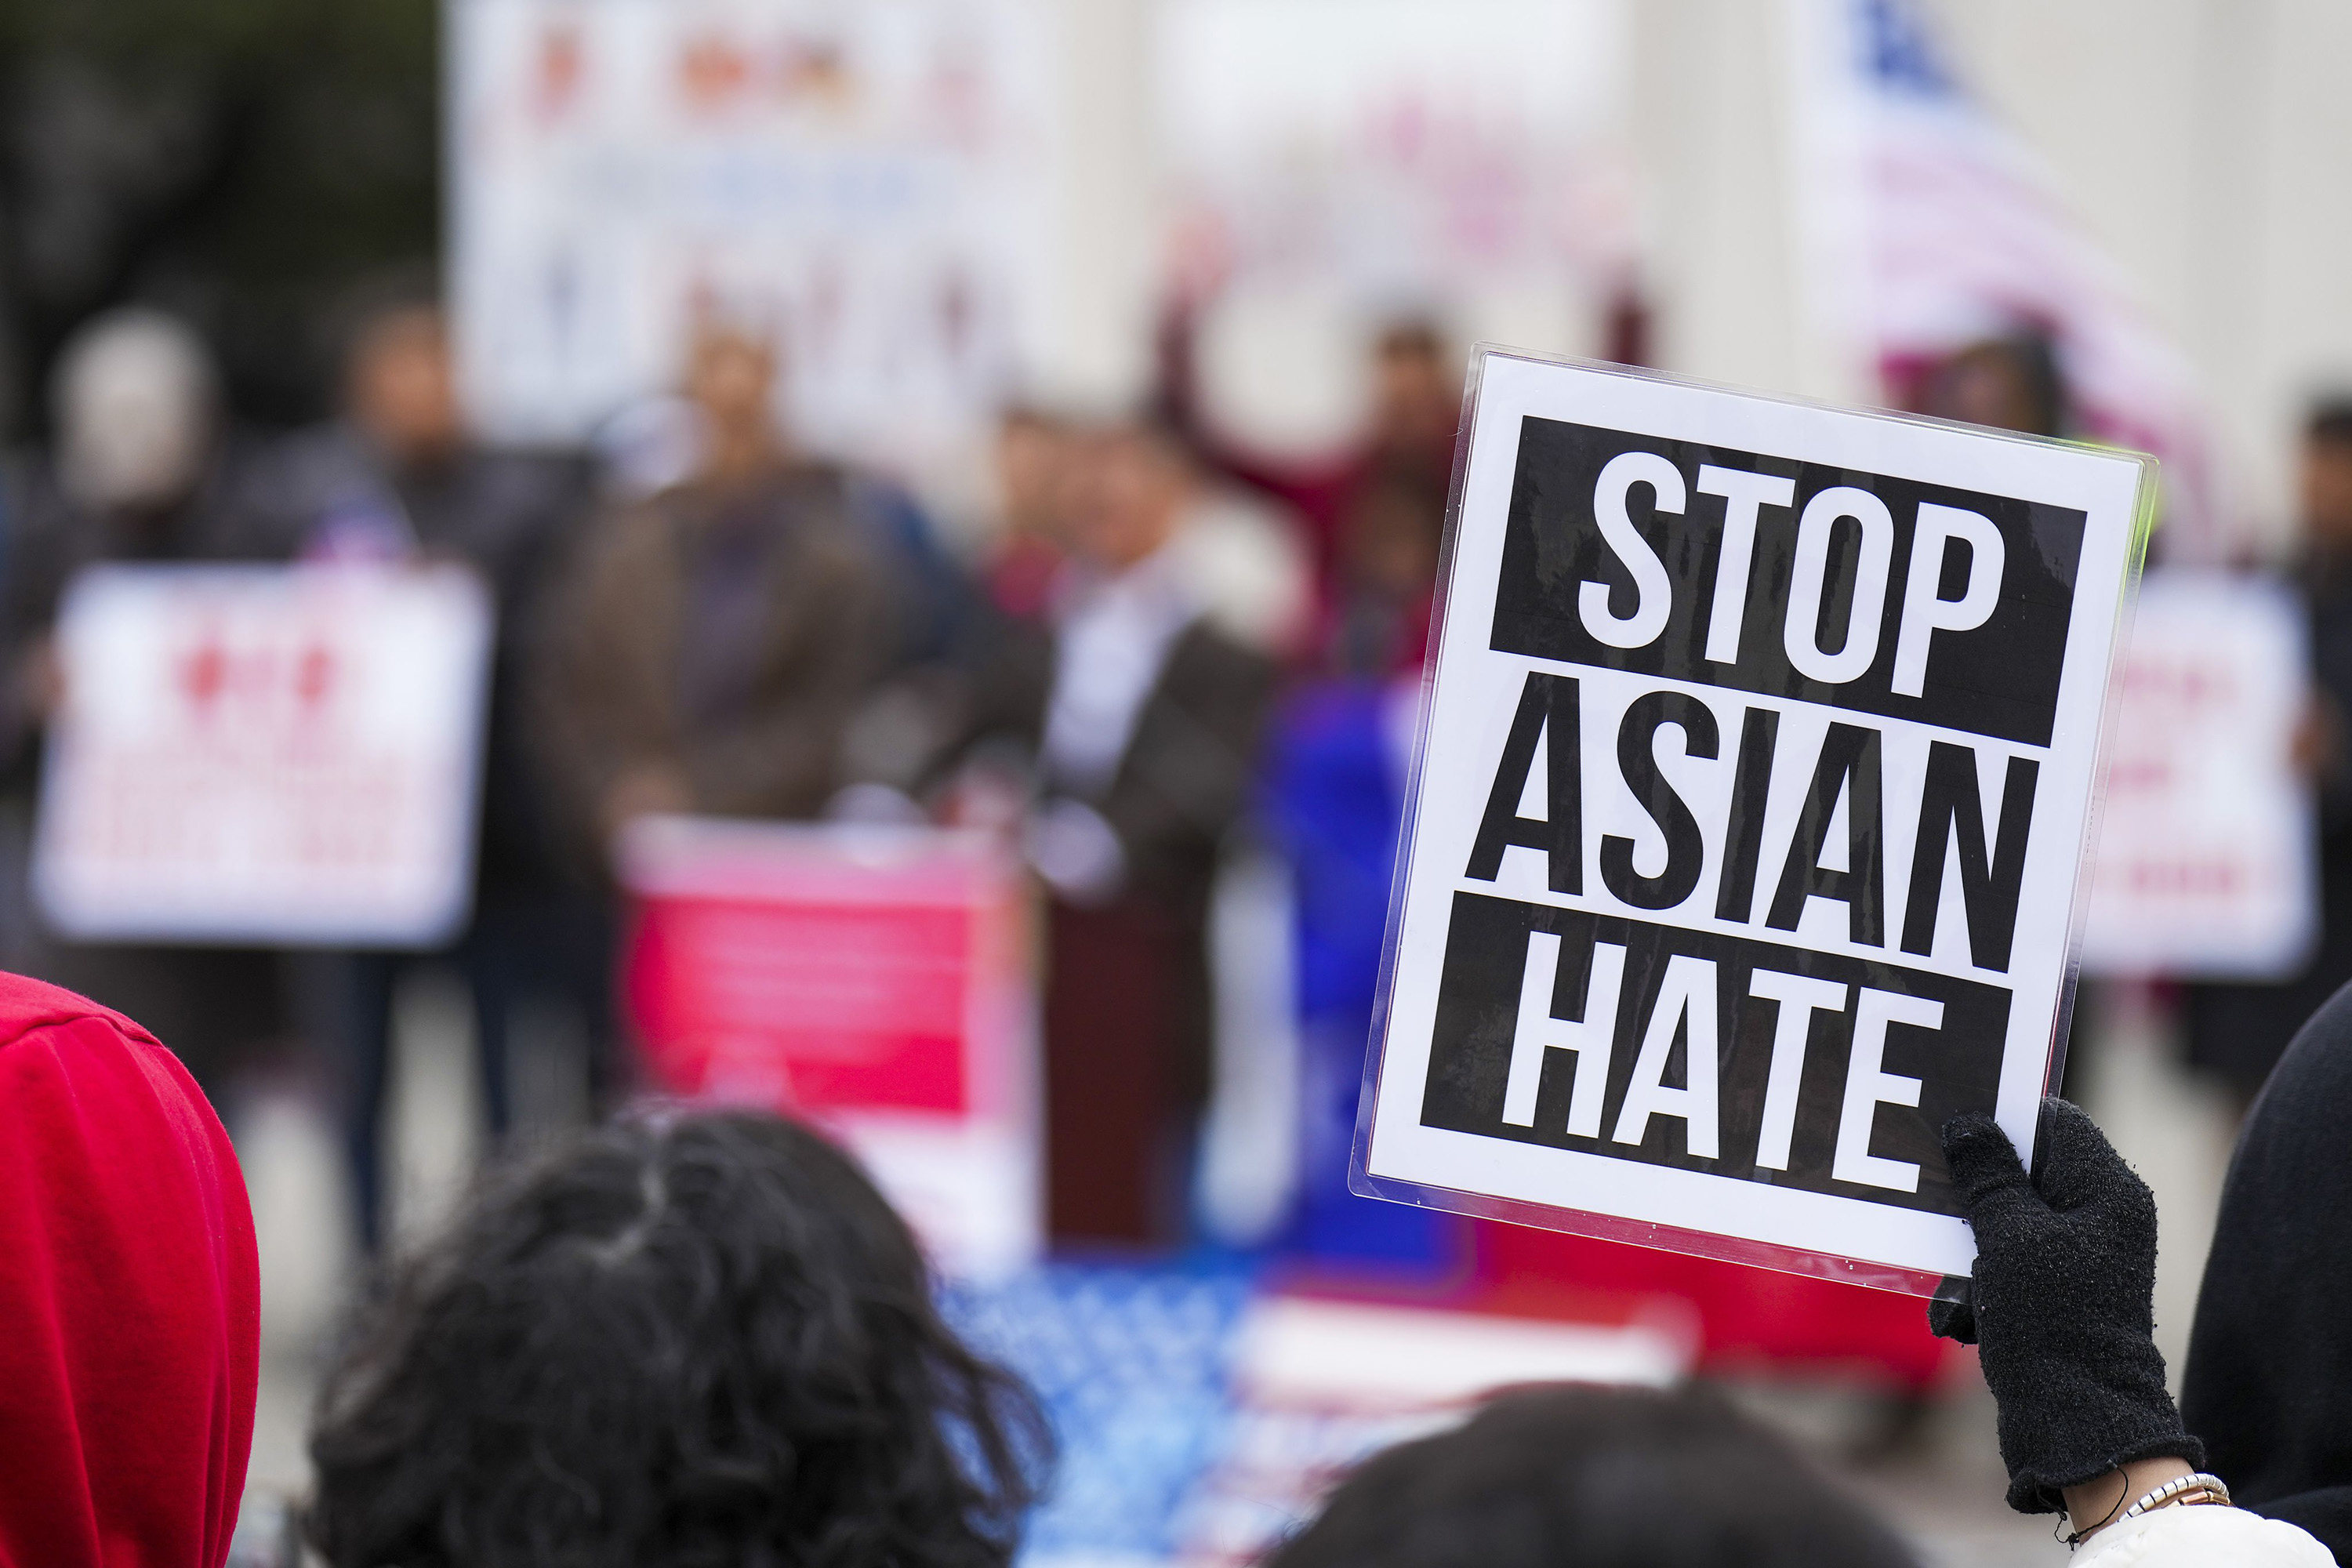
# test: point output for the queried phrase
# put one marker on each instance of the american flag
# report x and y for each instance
(1932, 227)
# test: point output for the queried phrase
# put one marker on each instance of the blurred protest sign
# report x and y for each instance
(2205, 863)
(870, 979)
(263, 753)
(871, 183)
(1749, 816)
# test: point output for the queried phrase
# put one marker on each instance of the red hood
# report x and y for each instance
(129, 1297)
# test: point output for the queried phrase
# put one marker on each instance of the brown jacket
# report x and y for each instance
(729, 635)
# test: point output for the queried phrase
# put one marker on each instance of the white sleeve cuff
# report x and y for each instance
(2202, 1537)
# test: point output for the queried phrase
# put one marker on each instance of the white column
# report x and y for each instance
(1094, 347)
(1712, 135)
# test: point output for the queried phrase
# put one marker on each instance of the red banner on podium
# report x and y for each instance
(873, 981)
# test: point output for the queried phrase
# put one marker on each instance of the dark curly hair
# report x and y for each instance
(703, 1341)
(1601, 1477)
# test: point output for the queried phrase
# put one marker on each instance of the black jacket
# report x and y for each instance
(2269, 1380)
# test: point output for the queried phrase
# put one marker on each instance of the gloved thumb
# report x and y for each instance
(1988, 1178)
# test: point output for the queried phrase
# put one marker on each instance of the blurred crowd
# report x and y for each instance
(1163, 655)
(1160, 647)
(719, 622)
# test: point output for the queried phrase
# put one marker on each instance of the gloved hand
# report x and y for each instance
(2060, 1304)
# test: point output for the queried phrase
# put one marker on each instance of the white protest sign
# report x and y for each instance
(2206, 858)
(1750, 805)
(265, 753)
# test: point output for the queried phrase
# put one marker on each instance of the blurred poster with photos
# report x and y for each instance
(870, 184)
(265, 753)
(1334, 165)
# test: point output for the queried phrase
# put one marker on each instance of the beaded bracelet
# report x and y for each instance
(2208, 1487)
(2198, 1490)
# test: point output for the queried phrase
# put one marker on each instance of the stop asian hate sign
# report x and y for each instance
(1751, 800)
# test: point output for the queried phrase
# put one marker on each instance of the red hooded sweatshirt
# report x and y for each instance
(129, 1297)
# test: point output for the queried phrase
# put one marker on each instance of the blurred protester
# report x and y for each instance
(1599, 1478)
(1037, 459)
(145, 470)
(130, 1307)
(2237, 1032)
(1141, 716)
(1238, 556)
(2270, 1358)
(399, 477)
(704, 1339)
(719, 638)
(1385, 591)
(1338, 759)
(2060, 1304)
(1416, 404)
(2006, 383)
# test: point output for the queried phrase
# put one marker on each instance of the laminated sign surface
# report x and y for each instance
(1759, 763)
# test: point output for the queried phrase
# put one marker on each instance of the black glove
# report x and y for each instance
(2060, 1304)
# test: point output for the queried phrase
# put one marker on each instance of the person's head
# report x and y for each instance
(1390, 540)
(2008, 383)
(2326, 477)
(131, 1300)
(1131, 494)
(699, 1341)
(137, 406)
(730, 379)
(400, 385)
(1033, 472)
(1391, 531)
(1599, 1478)
(1416, 388)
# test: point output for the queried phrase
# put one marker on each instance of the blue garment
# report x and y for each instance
(1334, 801)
